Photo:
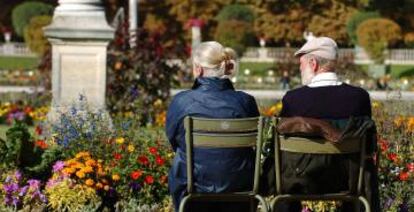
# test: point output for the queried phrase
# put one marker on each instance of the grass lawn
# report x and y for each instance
(257, 68)
(18, 62)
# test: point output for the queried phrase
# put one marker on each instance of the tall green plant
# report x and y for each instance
(22, 14)
(236, 12)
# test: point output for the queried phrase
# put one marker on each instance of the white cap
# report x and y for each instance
(321, 46)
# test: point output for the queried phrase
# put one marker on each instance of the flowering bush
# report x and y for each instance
(19, 193)
(19, 111)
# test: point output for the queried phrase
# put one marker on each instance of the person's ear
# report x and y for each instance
(198, 71)
(314, 65)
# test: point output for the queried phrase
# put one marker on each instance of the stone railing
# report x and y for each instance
(393, 56)
(15, 49)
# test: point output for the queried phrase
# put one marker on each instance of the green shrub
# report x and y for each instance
(22, 14)
(235, 12)
(375, 35)
(234, 34)
(355, 20)
(34, 36)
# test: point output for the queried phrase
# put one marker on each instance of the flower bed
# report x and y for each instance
(86, 163)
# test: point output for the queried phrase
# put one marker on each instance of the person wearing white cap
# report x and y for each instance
(322, 96)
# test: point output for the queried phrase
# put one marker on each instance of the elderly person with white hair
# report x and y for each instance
(212, 96)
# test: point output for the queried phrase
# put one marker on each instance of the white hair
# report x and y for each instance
(214, 59)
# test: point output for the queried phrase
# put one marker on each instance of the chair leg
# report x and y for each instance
(274, 202)
(183, 203)
(365, 203)
(265, 207)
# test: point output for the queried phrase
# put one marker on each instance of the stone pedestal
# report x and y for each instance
(79, 35)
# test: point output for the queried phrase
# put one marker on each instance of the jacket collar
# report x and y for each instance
(325, 79)
(212, 83)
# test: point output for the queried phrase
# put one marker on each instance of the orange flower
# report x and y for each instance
(136, 174)
(80, 174)
(87, 169)
(163, 179)
(403, 176)
(89, 182)
(99, 185)
(69, 171)
(90, 162)
(41, 144)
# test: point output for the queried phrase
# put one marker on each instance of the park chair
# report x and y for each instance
(315, 145)
(223, 133)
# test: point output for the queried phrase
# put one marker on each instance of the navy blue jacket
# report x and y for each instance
(215, 170)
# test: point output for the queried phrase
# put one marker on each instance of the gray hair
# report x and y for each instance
(326, 64)
(213, 57)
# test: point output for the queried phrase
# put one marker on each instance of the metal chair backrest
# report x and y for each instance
(222, 133)
(355, 145)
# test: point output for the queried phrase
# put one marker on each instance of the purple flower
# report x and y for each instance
(18, 175)
(7, 200)
(8, 179)
(34, 183)
(23, 190)
(15, 201)
(43, 198)
(11, 188)
(135, 186)
(58, 166)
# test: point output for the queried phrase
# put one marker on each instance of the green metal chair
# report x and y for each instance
(223, 133)
(317, 146)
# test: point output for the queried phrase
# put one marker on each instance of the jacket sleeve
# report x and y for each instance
(253, 110)
(172, 123)
(285, 107)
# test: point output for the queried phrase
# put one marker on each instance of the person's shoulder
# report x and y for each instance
(182, 97)
(296, 92)
(356, 90)
(245, 96)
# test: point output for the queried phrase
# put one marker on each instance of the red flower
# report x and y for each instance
(393, 157)
(27, 109)
(117, 156)
(153, 150)
(149, 179)
(403, 176)
(143, 160)
(38, 130)
(383, 145)
(159, 161)
(410, 167)
(136, 174)
(41, 144)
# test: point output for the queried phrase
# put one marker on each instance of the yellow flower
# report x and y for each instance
(89, 182)
(410, 124)
(80, 174)
(375, 104)
(399, 121)
(116, 177)
(87, 169)
(158, 103)
(82, 155)
(106, 187)
(120, 140)
(131, 148)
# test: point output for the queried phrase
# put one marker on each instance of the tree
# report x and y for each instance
(355, 20)
(331, 21)
(375, 35)
(34, 36)
(22, 14)
(235, 27)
